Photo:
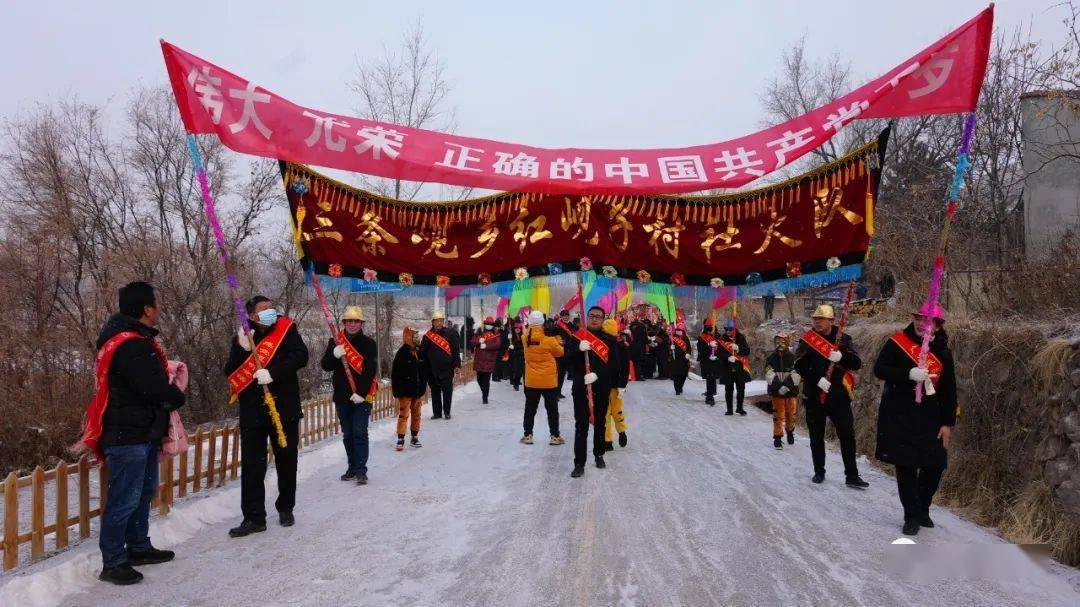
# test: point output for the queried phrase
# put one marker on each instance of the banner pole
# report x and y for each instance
(234, 285)
(962, 163)
(331, 324)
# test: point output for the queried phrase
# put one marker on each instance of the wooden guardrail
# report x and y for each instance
(212, 460)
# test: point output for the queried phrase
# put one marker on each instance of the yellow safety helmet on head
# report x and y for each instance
(353, 313)
(824, 311)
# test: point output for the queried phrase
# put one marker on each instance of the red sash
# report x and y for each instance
(933, 363)
(95, 409)
(679, 342)
(356, 360)
(240, 379)
(710, 340)
(487, 336)
(823, 347)
(438, 340)
(599, 347)
(565, 327)
(731, 351)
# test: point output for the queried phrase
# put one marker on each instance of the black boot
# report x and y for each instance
(709, 400)
(361, 479)
(121, 575)
(600, 462)
(609, 446)
(286, 519)
(777, 442)
(622, 439)
(740, 410)
(729, 411)
(247, 527)
(926, 521)
(578, 472)
(415, 442)
(819, 477)
(911, 527)
(791, 437)
(348, 476)
(856, 482)
(150, 556)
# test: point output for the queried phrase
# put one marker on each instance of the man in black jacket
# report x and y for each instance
(353, 407)
(603, 360)
(282, 353)
(734, 366)
(442, 358)
(816, 351)
(135, 420)
(708, 353)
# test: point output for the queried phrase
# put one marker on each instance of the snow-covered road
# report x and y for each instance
(697, 510)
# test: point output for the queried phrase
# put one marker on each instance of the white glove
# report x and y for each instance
(356, 398)
(769, 377)
(590, 378)
(483, 345)
(731, 359)
(824, 385)
(627, 331)
(688, 357)
(713, 357)
(796, 379)
(735, 348)
(339, 351)
(584, 346)
(621, 392)
(263, 377)
(918, 374)
(835, 356)
(652, 340)
(242, 338)
(511, 346)
(783, 390)
(928, 387)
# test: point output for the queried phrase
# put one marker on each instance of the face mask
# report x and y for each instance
(268, 317)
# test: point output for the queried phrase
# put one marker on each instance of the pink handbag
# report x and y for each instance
(176, 441)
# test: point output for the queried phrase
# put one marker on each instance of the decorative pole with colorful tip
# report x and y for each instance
(962, 164)
(234, 285)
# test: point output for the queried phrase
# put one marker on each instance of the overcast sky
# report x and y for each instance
(547, 73)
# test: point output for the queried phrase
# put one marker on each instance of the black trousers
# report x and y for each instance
(517, 368)
(736, 386)
(484, 381)
(253, 469)
(844, 422)
(679, 381)
(581, 420)
(710, 386)
(561, 368)
(662, 366)
(442, 395)
(917, 487)
(551, 404)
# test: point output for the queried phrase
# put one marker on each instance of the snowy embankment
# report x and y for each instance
(697, 510)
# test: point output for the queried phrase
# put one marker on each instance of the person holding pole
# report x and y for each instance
(358, 352)
(593, 360)
(281, 354)
(735, 366)
(828, 395)
(486, 346)
(709, 360)
(442, 358)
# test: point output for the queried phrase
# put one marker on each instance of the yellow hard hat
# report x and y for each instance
(438, 315)
(353, 313)
(824, 311)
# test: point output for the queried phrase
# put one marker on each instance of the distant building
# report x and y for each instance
(1050, 133)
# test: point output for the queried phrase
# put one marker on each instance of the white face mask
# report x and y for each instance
(268, 317)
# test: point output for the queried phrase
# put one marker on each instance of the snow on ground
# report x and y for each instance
(697, 510)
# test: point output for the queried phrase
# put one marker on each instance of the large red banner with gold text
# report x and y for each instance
(805, 221)
(945, 77)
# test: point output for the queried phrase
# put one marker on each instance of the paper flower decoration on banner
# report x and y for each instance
(484, 279)
(554, 269)
(405, 279)
(834, 262)
(521, 274)
(585, 264)
(301, 186)
(716, 283)
(678, 280)
(643, 276)
(753, 278)
(334, 270)
(370, 275)
(442, 281)
(794, 269)
(610, 272)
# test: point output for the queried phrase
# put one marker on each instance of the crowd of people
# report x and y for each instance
(137, 396)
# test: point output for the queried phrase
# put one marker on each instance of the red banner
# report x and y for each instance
(943, 78)
(699, 240)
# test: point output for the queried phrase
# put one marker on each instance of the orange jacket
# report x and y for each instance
(541, 350)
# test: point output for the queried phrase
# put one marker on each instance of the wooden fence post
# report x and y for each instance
(198, 459)
(224, 455)
(37, 514)
(211, 456)
(235, 451)
(84, 497)
(11, 521)
(181, 489)
(61, 506)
